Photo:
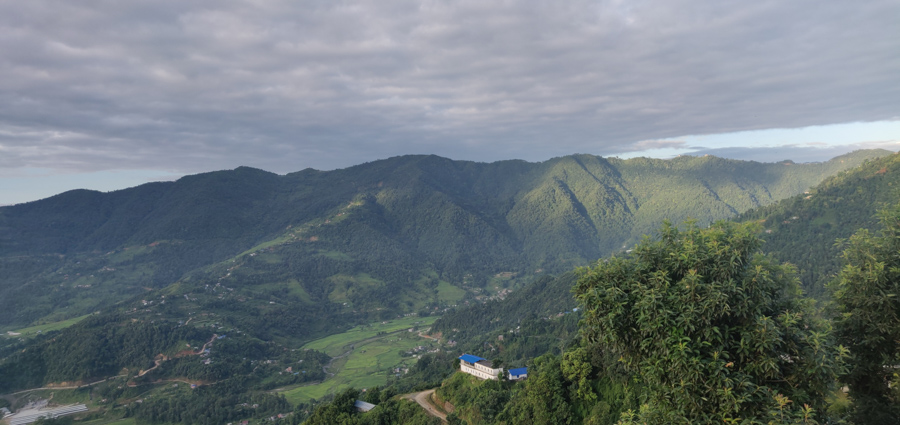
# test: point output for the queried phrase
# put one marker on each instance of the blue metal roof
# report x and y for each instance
(470, 358)
(519, 371)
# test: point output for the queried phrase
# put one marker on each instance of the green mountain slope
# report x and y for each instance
(390, 236)
(803, 230)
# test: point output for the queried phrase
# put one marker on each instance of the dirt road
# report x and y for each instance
(424, 400)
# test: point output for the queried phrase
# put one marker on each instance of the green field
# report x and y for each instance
(55, 326)
(446, 292)
(369, 356)
(337, 344)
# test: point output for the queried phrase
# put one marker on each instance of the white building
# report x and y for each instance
(518, 374)
(478, 367)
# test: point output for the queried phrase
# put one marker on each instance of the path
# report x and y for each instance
(424, 400)
(156, 364)
(325, 367)
(161, 358)
(70, 387)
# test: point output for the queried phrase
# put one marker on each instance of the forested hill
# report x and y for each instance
(801, 230)
(804, 229)
(424, 225)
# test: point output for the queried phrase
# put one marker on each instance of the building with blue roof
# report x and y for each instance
(517, 374)
(478, 367)
(470, 358)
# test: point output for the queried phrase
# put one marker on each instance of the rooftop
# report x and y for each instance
(468, 358)
(518, 371)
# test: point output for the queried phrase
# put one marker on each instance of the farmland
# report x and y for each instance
(365, 356)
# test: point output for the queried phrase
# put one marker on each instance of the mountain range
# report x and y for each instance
(396, 235)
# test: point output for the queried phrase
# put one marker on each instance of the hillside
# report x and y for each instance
(804, 229)
(396, 235)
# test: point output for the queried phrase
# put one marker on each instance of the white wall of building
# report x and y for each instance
(479, 371)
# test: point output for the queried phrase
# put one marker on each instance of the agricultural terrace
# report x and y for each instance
(365, 356)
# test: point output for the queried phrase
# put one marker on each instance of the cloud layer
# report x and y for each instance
(193, 85)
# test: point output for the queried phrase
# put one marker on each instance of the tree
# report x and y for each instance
(717, 332)
(867, 296)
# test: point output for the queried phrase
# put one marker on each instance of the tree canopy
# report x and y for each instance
(867, 297)
(718, 332)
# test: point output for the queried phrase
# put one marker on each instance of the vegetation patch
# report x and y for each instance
(449, 293)
(47, 327)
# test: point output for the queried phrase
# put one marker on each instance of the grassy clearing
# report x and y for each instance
(284, 238)
(335, 345)
(367, 366)
(448, 293)
(127, 254)
(344, 284)
(293, 286)
(371, 361)
(55, 326)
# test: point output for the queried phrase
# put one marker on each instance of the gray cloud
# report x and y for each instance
(193, 85)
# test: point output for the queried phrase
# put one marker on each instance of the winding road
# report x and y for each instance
(424, 400)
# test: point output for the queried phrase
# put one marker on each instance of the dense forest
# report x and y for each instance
(804, 230)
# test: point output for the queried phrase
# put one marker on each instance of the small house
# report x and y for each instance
(518, 374)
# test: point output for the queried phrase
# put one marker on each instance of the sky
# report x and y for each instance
(108, 94)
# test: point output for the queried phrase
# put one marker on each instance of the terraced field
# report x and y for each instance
(365, 356)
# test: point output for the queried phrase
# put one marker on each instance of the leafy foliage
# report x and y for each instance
(867, 297)
(716, 332)
(582, 386)
(341, 411)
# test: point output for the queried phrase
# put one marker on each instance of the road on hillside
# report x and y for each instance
(424, 400)
(68, 387)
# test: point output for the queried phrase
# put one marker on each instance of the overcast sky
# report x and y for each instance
(108, 94)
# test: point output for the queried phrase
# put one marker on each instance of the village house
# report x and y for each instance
(518, 374)
(478, 367)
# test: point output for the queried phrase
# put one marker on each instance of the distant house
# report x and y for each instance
(478, 367)
(363, 406)
(517, 374)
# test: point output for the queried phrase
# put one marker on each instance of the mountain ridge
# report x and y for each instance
(405, 223)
